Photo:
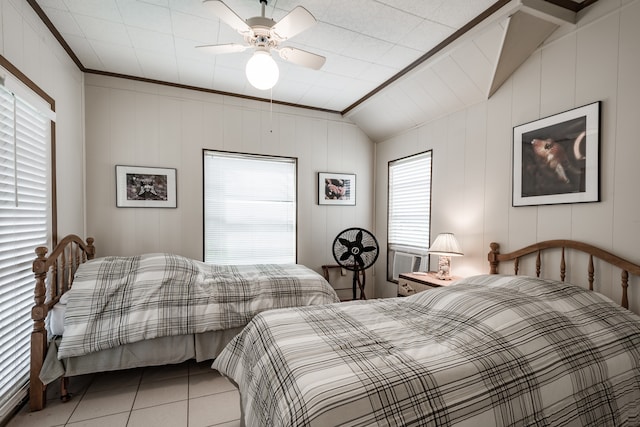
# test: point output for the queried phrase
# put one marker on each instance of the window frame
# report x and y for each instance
(422, 251)
(293, 160)
(20, 86)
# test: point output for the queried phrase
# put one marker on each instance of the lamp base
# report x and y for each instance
(444, 267)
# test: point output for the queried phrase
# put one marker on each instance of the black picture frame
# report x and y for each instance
(556, 159)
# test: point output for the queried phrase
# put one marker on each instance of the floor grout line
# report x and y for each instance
(201, 383)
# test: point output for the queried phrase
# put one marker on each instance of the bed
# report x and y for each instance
(494, 349)
(101, 314)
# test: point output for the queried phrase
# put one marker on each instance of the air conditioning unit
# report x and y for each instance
(405, 263)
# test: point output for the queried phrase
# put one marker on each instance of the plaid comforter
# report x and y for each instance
(120, 300)
(489, 351)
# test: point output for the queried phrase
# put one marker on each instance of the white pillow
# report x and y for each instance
(56, 315)
(56, 319)
(64, 298)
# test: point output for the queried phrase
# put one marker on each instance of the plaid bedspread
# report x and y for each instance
(489, 351)
(120, 300)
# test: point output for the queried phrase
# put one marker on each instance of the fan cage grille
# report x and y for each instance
(346, 255)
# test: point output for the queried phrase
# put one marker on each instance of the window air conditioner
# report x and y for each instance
(405, 263)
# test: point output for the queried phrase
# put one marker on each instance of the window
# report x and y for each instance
(409, 213)
(249, 209)
(25, 223)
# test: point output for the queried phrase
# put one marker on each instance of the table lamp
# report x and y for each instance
(446, 246)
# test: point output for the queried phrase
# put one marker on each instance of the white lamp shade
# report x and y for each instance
(446, 244)
(262, 71)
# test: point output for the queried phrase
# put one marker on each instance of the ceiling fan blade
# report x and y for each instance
(302, 57)
(227, 15)
(295, 22)
(223, 48)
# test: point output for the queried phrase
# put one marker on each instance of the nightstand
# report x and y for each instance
(410, 283)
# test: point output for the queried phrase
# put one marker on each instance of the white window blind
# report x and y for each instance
(410, 203)
(249, 209)
(24, 224)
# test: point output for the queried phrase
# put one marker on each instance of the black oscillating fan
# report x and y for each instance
(355, 249)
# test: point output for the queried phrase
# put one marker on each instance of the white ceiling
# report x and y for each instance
(366, 43)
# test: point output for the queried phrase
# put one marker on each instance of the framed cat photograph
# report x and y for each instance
(557, 159)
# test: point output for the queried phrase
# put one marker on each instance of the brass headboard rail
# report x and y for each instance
(626, 267)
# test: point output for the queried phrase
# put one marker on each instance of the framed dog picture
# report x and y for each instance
(557, 159)
(336, 188)
(145, 187)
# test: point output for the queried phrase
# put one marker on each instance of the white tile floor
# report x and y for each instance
(185, 395)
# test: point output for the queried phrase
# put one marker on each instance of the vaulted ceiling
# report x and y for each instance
(390, 64)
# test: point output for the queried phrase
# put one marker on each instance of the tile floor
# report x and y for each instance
(185, 395)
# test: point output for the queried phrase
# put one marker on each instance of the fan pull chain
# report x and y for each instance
(271, 112)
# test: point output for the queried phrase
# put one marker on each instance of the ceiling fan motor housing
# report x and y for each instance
(264, 34)
(260, 35)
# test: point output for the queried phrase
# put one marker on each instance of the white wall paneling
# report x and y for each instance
(136, 123)
(595, 60)
(28, 44)
(142, 124)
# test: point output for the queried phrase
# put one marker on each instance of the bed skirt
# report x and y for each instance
(154, 352)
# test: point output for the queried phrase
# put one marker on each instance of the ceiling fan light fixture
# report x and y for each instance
(262, 71)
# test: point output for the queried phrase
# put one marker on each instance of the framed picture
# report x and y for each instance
(336, 188)
(145, 187)
(557, 159)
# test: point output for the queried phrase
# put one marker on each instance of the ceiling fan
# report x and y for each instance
(265, 35)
